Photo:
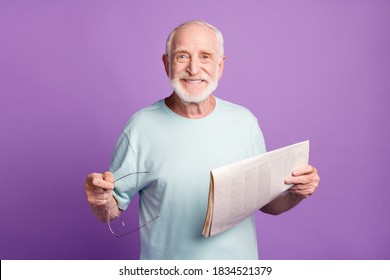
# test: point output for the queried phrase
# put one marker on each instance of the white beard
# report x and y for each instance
(193, 98)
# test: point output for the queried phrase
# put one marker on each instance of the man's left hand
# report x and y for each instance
(305, 181)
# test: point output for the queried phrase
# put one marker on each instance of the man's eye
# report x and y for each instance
(205, 57)
(182, 57)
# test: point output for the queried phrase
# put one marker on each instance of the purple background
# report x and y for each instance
(73, 72)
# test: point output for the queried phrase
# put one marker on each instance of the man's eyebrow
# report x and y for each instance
(180, 50)
(208, 51)
(183, 50)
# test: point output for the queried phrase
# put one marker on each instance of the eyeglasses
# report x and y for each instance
(124, 227)
(122, 223)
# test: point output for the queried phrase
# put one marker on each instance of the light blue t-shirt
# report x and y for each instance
(177, 153)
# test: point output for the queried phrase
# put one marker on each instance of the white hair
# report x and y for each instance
(217, 33)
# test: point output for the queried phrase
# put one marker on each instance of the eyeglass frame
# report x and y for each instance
(109, 218)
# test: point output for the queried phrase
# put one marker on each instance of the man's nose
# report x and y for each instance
(193, 67)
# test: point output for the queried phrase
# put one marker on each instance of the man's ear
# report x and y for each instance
(221, 66)
(165, 60)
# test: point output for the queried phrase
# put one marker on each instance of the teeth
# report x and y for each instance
(193, 81)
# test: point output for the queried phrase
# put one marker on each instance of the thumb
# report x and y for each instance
(108, 176)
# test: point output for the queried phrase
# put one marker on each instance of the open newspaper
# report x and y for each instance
(239, 189)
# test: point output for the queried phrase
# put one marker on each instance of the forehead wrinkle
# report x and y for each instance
(181, 49)
(195, 38)
(193, 48)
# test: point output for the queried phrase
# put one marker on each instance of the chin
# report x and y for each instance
(193, 98)
(187, 97)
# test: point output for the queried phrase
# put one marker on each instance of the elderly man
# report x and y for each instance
(166, 151)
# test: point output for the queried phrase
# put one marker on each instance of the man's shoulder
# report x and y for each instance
(145, 116)
(234, 109)
(150, 110)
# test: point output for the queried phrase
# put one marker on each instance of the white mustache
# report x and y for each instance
(186, 76)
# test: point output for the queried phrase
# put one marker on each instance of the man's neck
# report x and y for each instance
(190, 110)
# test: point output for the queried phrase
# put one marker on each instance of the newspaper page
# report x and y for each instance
(239, 189)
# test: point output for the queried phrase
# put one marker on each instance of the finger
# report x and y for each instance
(304, 192)
(108, 176)
(302, 170)
(96, 190)
(307, 178)
(99, 199)
(96, 180)
(303, 179)
(302, 188)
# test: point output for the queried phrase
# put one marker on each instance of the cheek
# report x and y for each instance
(176, 69)
(213, 72)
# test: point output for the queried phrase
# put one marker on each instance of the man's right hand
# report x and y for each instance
(98, 189)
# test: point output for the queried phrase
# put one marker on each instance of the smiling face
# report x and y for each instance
(194, 63)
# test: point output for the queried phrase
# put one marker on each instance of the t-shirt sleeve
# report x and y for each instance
(124, 167)
(257, 137)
